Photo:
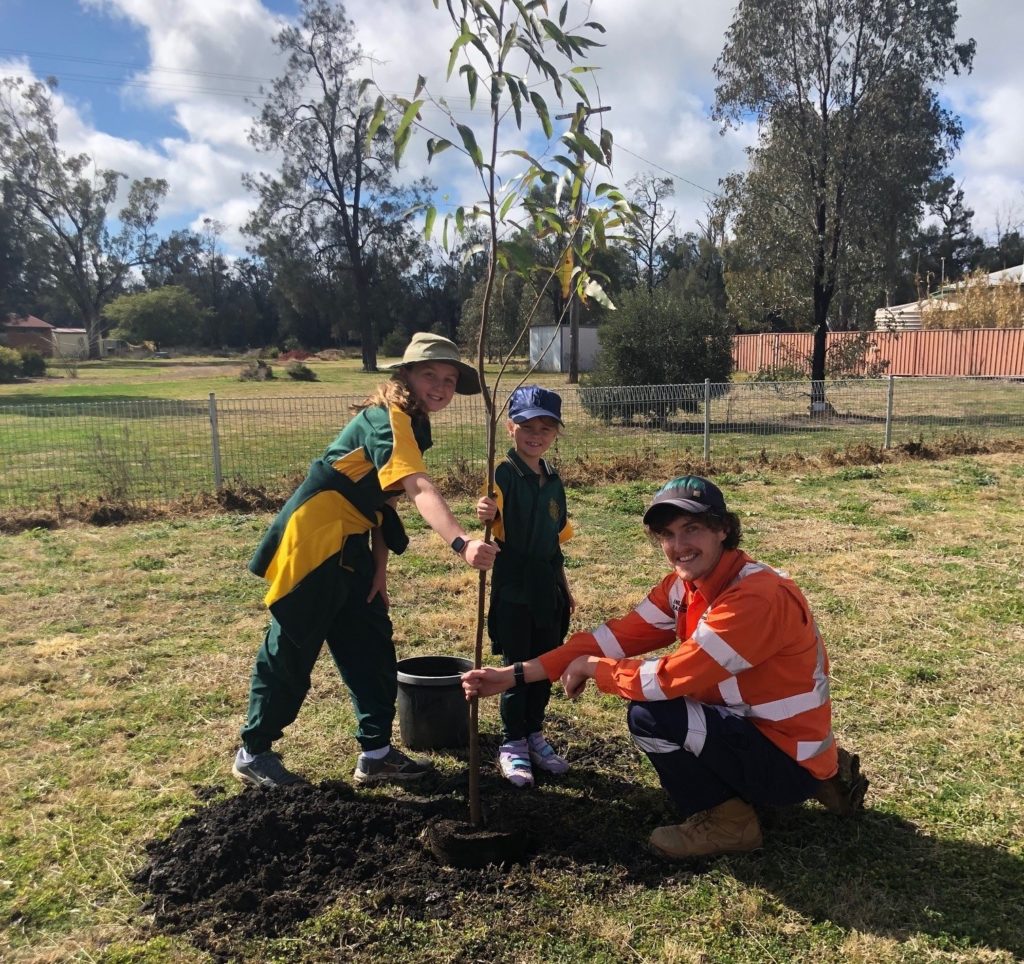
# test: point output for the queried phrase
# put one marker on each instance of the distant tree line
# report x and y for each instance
(846, 205)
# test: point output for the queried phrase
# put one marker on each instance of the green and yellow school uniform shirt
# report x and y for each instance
(342, 495)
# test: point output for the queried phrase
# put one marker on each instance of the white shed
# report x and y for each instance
(70, 343)
(549, 349)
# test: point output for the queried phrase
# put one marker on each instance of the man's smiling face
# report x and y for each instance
(692, 548)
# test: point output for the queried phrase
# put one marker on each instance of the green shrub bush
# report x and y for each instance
(33, 365)
(300, 372)
(662, 345)
(393, 344)
(257, 371)
(10, 365)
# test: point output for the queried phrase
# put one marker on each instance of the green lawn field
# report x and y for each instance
(125, 660)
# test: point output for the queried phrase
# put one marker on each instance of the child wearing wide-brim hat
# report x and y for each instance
(328, 578)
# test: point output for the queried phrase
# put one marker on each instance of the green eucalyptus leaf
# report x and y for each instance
(484, 51)
(460, 42)
(469, 142)
(471, 82)
(590, 147)
(517, 104)
(510, 38)
(401, 143)
(435, 146)
(428, 223)
(479, 5)
(407, 118)
(542, 112)
(580, 89)
(379, 113)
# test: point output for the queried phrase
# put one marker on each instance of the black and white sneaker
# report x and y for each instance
(396, 767)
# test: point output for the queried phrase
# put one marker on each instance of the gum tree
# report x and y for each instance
(513, 54)
(66, 202)
(333, 204)
(851, 133)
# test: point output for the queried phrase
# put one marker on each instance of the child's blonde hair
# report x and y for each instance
(395, 392)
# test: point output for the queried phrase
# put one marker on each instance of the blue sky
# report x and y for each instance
(157, 88)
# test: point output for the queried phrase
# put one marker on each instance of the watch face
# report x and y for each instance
(458, 544)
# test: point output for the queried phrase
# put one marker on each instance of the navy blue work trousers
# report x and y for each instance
(705, 756)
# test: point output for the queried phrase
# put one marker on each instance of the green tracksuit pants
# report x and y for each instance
(520, 639)
(361, 644)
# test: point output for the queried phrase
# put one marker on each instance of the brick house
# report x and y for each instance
(27, 332)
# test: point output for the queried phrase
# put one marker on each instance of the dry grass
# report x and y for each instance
(124, 671)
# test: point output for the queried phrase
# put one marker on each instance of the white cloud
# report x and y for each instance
(655, 72)
(990, 100)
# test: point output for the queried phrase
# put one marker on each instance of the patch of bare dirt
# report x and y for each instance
(260, 862)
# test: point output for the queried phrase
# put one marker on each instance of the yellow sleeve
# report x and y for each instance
(498, 525)
(406, 458)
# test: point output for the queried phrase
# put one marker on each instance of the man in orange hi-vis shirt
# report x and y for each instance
(739, 712)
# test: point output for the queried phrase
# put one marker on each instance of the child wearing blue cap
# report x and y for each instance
(530, 598)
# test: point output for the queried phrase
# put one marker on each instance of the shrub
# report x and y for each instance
(33, 365)
(257, 371)
(393, 343)
(300, 372)
(10, 365)
(658, 338)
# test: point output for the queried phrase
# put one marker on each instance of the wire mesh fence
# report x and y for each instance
(152, 451)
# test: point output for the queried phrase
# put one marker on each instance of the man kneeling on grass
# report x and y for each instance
(739, 713)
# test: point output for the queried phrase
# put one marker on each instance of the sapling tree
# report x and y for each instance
(515, 53)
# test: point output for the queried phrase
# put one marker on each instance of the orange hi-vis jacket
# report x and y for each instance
(749, 646)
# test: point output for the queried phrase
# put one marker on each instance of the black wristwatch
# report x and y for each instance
(458, 544)
(519, 674)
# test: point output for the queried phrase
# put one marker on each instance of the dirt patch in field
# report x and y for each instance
(261, 862)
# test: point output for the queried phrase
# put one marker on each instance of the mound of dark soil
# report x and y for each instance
(260, 862)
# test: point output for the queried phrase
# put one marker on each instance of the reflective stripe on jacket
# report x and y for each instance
(749, 646)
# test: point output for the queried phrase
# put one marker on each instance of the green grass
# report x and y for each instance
(124, 661)
(140, 431)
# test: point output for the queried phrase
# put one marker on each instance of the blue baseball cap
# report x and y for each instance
(690, 493)
(532, 401)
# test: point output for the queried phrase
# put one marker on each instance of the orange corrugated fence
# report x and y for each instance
(969, 351)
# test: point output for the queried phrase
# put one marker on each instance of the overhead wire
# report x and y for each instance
(126, 80)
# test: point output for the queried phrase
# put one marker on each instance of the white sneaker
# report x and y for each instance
(543, 756)
(514, 763)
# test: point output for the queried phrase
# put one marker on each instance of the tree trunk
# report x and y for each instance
(367, 329)
(94, 330)
(819, 403)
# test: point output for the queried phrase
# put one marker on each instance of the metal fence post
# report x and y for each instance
(218, 478)
(707, 419)
(888, 411)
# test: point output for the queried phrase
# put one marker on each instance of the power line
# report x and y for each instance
(135, 81)
(134, 65)
(127, 81)
(665, 170)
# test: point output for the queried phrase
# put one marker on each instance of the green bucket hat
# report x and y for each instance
(428, 347)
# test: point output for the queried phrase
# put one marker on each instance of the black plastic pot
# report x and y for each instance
(432, 711)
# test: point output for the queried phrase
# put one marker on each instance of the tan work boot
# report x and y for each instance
(844, 793)
(731, 827)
